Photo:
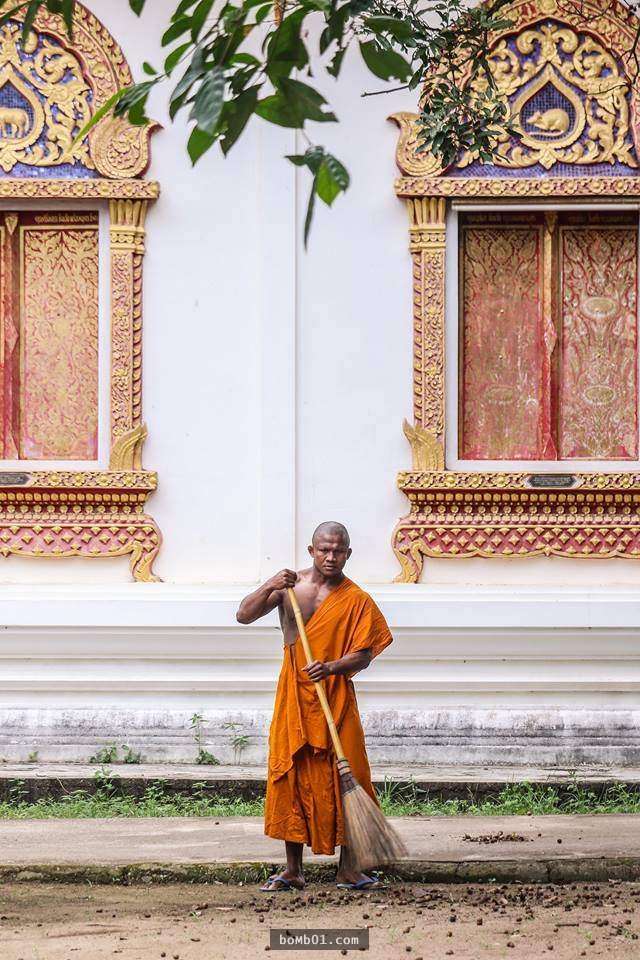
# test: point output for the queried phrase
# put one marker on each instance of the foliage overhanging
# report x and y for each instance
(227, 62)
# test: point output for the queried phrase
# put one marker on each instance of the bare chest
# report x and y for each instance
(309, 599)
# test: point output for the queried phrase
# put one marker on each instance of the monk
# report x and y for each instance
(346, 631)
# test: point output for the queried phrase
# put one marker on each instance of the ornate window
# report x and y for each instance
(73, 213)
(525, 279)
(548, 337)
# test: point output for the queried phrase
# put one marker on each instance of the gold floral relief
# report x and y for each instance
(59, 332)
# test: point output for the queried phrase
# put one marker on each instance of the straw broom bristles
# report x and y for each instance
(371, 841)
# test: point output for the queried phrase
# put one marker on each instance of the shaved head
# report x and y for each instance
(331, 528)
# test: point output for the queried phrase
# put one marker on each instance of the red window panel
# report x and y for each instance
(506, 346)
(598, 402)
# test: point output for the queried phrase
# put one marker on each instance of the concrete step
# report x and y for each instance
(40, 780)
(445, 849)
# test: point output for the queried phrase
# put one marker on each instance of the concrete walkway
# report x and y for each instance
(556, 848)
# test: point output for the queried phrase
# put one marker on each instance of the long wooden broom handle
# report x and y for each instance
(322, 697)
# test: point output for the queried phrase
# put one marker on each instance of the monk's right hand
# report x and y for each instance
(283, 580)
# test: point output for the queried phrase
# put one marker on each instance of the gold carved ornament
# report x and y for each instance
(591, 126)
(52, 91)
(456, 514)
(583, 55)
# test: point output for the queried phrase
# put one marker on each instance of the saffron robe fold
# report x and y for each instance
(303, 803)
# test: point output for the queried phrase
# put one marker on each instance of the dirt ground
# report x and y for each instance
(409, 921)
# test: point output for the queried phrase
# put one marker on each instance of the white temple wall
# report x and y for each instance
(275, 385)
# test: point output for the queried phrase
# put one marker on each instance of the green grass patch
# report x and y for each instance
(518, 799)
(399, 800)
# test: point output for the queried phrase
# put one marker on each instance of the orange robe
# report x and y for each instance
(303, 802)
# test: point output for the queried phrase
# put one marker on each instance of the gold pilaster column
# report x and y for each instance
(427, 246)
(127, 232)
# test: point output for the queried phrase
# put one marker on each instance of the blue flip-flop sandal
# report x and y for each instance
(365, 884)
(286, 885)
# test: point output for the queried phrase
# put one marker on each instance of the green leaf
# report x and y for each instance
(386, 64)
(277, 109)
(176, 30)
(199, 143)
(133, 98)
(298, 159)
(67, 10)
(400, 29)
(285, 49)
(325, 40)
(336, 64)
(209, 101)
(194, 71)
(312, 158)
(106, 107)
(309, 215)
(177, 103)
(182, 8)
(148, 69)
(137, 115)
(174, 57)
(245, 58)
(137, 6)
(263, 11)
(307, 103)
(237, 115)
(32, 8)
(326, 187)
(338, 171)
(199, 16)
(331, 179)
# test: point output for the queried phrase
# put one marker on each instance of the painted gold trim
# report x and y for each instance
(127, 233)
(426, 451)
(427, 241)
(77, 189)
(533, 188)
(126, 453)
(502, 515)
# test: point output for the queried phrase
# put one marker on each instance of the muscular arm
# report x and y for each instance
(345, 666)
(266, 598)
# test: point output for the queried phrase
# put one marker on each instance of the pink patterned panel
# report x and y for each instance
(59, 351)
(505, 397)
(599, 386)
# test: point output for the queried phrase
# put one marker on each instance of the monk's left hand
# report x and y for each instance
(317, 671)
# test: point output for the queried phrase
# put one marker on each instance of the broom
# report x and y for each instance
(370, 839)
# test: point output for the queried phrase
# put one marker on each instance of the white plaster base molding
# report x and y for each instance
(460, 736)
(511, 676)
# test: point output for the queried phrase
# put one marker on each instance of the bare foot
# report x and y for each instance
(283, 881)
